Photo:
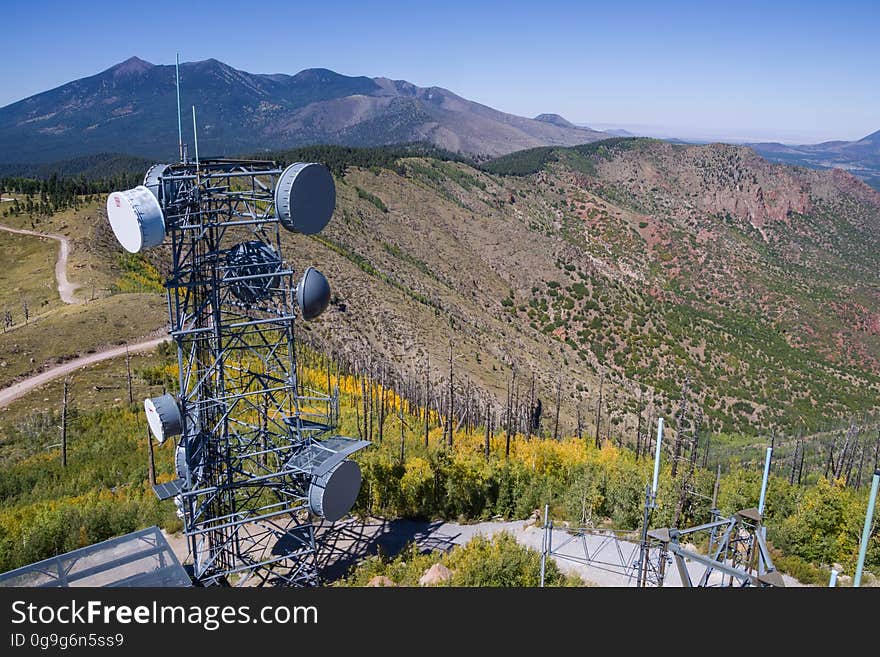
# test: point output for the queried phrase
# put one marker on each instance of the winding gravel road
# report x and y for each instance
(66, 291)
(16, 390)
(65, 287)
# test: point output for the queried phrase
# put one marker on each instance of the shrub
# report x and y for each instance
(496, 561)
(372, 198)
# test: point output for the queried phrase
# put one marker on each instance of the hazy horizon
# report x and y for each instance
(794, 72)
(686, 133)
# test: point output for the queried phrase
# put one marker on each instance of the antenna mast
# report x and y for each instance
(179, 121)
(196, 139)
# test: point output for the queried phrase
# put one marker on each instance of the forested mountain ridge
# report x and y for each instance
(617, 275)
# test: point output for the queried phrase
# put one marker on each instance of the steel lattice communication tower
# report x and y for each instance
(257, 460)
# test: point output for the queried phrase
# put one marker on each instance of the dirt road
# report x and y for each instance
(16, 390)
(65, 287)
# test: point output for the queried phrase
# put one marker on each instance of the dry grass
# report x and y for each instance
(100, 385)
(72, 331)
(27, 275)
(94, 253)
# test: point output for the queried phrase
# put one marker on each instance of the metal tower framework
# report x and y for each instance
(737, 553)
(737, 550)
(253, 437)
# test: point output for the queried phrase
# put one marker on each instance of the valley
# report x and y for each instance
(631, 261)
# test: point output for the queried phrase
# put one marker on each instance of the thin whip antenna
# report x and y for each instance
(195, 138)
(179, 120)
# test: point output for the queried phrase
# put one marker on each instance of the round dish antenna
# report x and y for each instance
(312, 293)
(195, 464)
(163, 416)
(332, 494)
(136, 219)
(252, 268)
(305, 197)
(164, 191)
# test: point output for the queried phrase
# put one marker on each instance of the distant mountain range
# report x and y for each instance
(131, 108)
(861, 158)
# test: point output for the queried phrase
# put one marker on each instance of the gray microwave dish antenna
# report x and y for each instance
(333, 493)
(258, 463)
(189, 458)
(312, 293)
(162, 192)
(305, 197)
(163, 417)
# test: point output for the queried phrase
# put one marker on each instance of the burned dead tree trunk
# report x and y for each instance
(509, 415)
(706, 450)
(829, 463)
(839, 468)
(450, 416)
(639, 425)
(532, 425)
(517, 413)
(364, 403)
(801, 466)
(858, 484)
(427, 398)
(580, 426)
(402, 436)
(467, 408)
(558, 403)
(679, 429)
(369, 412)
(597, 439)
(64, 427)
(877, 452)
(488, 430)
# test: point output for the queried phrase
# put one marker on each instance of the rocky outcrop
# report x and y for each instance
(435, 575)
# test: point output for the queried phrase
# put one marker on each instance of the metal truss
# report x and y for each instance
(737, 553)
(249, 422)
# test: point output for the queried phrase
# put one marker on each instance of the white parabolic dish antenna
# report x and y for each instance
(136, 219)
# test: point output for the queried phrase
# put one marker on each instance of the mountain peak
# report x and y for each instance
(555, 119)
(317, 75)
(131, 66)
(125, 107)
(209, 64)
(873, 138)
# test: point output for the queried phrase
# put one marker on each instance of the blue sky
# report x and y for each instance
(797, 71)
